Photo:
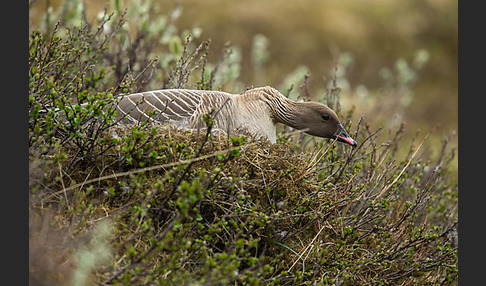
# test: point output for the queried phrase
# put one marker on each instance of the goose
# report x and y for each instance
(256, 110)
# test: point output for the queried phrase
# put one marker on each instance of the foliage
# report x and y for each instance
(146, 204)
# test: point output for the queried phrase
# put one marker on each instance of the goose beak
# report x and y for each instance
(343, 136)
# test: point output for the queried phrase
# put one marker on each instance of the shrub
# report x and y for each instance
(149, 204)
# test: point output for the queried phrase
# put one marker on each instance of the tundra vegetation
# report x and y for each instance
(142, 204)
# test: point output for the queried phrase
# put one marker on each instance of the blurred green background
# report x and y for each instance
(396, 60)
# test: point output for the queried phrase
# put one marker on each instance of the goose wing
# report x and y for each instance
(159, 106)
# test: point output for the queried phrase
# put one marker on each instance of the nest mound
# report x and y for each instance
(187, 205)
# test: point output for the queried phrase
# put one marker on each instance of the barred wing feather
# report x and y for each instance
(174, 106)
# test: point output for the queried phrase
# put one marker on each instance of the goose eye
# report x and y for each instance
(325, 116)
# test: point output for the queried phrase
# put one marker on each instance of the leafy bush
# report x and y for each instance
(146, 204)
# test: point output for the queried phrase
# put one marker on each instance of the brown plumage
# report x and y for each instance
(256, 110)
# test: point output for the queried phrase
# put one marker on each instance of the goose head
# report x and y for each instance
(319, 120)
(312, 117)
